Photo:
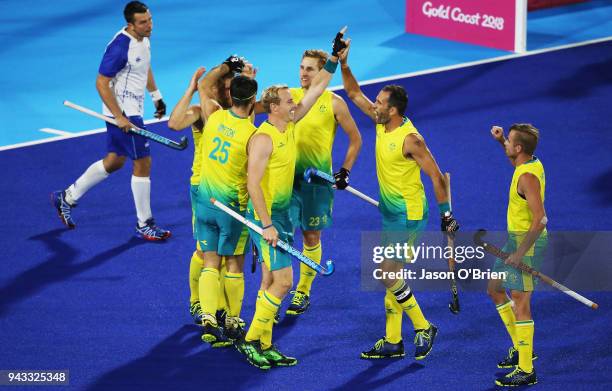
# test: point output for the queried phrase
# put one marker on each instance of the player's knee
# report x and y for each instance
(142, 167)
(286, 283)
(312, 238)
(113, 163)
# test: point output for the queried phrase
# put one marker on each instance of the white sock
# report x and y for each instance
(91, 177)
(141, 189)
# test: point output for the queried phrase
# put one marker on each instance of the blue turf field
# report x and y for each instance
(113, 309)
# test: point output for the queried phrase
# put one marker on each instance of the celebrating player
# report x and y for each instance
(124, 73)
(527, 240)
(311, 203)
(272, 160)
(401, 153)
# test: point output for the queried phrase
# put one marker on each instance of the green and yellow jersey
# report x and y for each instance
(277, 181)
(519, 215)
(315, 133)
(399, 178)
(195, 167)
(223, 158)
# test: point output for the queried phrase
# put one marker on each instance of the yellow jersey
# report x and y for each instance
(315, 133)
(277, 182)
(195, 167)
(223, 158)
(519, 215)
(399, 178)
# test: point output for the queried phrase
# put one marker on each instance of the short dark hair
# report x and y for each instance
(527, 136)
(397, 97)
(242, 90)
(133, 7)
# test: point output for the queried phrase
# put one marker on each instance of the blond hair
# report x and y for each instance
(270, 96)
(318, 54)
(527, 136)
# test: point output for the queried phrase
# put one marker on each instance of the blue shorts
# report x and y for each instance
(275, 258)
(127, 144)
(311, 205)
(217, 231)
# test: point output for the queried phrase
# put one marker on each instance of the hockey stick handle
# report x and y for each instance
(284, 245)
(491, 249)
(454, 304)
(142, 132)
(310, 172)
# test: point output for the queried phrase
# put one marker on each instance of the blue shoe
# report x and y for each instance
(299, 303)
(214, 335)
(152, 232)
(384, 349)
(424, 340)
(195, 310)
(64, 209)
(516, 378)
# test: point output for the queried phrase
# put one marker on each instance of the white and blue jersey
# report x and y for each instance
(127, 61)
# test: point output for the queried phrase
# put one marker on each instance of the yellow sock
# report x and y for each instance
(234, 290)
(263, 320)
(195, 270)
(395, 313)
(266, 336)
(524, 337)
(406, 299)
(222, 302)
(209, 290)
(507, 315)
(307, 275)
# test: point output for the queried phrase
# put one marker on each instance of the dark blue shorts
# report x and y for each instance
(127, 144)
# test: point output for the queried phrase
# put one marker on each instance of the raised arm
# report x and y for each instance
(319, 84)
(183, 115)
(352, 87)
(498, 134)
(206, 91)
(260, 149)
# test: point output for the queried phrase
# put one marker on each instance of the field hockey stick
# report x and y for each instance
(141, 132)
(311, 171)
(453, 306)
(285, 246)
(491, 249)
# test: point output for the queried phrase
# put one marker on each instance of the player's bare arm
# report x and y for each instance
(260, 149)
(160, 106)
(415, 148)
(352, 87)
(183, 115)
(346, 121)
(109, 99)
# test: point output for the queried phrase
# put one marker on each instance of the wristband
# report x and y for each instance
(330, 66)
(155, 95)
(267, 226)
(444, 207)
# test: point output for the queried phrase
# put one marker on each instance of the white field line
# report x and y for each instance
(336, 88)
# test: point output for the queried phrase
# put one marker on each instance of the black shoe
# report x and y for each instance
(299, 303)
(278, 359)
(512, 359)
(214, 335)
(424, 340)
(518, 377)
(384, 349)
(234, 328)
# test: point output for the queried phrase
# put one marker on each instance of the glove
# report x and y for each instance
(448, 223)
(160, 108)
(342, 178)
(235, 63)
(338, 44)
